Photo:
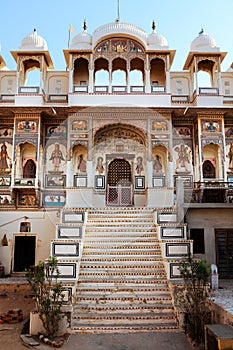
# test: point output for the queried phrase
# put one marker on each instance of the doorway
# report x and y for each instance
(119, 183)
(24, 252)
(224, 252)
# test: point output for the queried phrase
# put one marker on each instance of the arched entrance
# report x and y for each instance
(119, 183)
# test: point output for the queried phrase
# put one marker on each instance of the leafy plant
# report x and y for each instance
(193, 299)
(48, 292)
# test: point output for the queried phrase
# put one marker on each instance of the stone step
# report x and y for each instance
(129, 293)
(140, 319)
(122, 270)
(116, 275)
(127, 300)
(130, 265)
(125, 252)
(124, 328)
(123, 308)
(121, 245)
(123, 259)
(120, 224)
(121, 282)
(118, 238)
(120, 235)
(115, 289)
(122, 229)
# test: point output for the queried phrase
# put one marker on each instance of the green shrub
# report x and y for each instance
(193, 299)
(48, 293)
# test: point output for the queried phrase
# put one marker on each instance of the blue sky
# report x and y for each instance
(178, 20)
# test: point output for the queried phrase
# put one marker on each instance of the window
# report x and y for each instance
(227, 92)
(58, 82)
(83, 82)
(155, 83)
(9, 86)
(179, 91)
(197, 235)
(178, 83)
(226, 83)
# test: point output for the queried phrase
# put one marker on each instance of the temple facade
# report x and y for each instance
(117, 128)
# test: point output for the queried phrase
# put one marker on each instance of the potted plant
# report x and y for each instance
(49, 294)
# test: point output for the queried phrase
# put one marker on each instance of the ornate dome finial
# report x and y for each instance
(85, 25)
(153, 25)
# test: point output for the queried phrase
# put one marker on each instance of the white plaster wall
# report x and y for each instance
(43, 226)
(209, 219)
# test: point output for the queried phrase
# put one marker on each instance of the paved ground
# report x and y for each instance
(133, 341)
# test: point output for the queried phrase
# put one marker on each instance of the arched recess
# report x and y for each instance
(157, 72)
(211, 161)
(30, 73)
(137, 76)
(79, 159)
(208, 67)
(26, 160)
(119, 131)
(81, 73)
(101, 72)
(119, 71)
(121, 146)
(160, 159)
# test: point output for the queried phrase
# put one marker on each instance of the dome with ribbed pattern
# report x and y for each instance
(33, 42)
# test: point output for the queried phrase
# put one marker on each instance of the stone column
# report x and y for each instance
(170, 174)
(180, 199)
(68, 174)
(147, 85)
(91, 81)
(90, 175)
(71, 81)
(149, 173)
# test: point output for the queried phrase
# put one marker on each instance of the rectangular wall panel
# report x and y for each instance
(73, 217)
(72, 232)
(177, 249)
(65, 249)
(167, 217)
(172, 232)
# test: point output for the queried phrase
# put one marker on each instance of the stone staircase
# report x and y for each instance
(122, 285)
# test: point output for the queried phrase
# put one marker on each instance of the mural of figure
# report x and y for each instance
(3, 158)
(230, 156)
(139, 167)
(99, 165)
(82, 164)
(183, 157)
(157, 165)
(56, 157)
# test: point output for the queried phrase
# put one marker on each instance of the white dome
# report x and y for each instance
(33, 42)
(81, 41)
(203, 42)
(119, 28)
(156, 41)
